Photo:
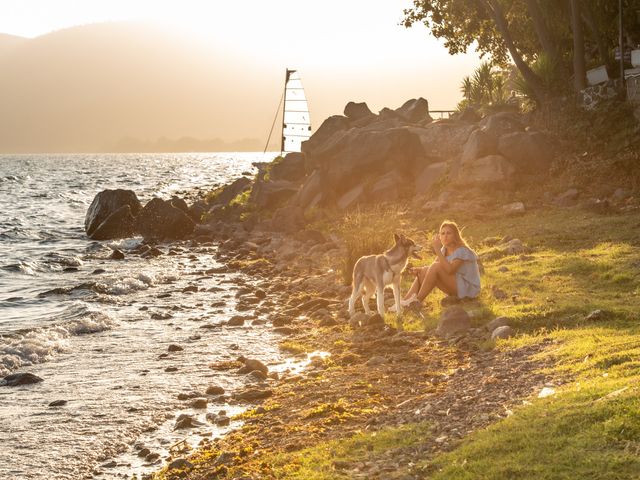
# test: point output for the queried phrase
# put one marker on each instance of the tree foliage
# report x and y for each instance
(528, 32)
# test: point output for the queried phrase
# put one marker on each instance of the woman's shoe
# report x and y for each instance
(409, 301)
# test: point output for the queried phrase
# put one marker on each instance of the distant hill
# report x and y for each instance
(105, 87)
(9, 42)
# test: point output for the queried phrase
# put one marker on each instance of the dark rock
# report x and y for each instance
(199, 403)
(288, 219)
(356, 111)
(352, 198)
(501, 123)
(152, 253)
(330, 130)
(180, 464)
(253, 394)
(291, 168)
(453, 320)
(480, 144)
(497, 322)
(252, 364)
(374, 320)
(469, 115)
(120, 224)
(415, 111)
(284, 330)
(16, 379)
(180, 204)
(116, 255)
(171, 369)
(231, 191)
(222, 420)
(161, 220)
(175, 348)
(152, 457)
(236, 321)
(98, 271)
(214, 390)
(493, 170)
(502, 332)
(387, 187)
(429, 177)
(105, 204)
(528, 152)
(190, 288)
(344, 160)
(58, 403)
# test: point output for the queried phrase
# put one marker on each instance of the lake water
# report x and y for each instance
(98, 341)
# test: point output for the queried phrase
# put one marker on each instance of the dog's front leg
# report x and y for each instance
(380, 298)
(396, 295)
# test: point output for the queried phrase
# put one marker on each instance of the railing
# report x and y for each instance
(441, 113)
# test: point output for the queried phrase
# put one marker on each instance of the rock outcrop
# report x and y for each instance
(120, 204)
(160, 220)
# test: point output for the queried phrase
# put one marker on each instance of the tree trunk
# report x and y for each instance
(542, 32)
(597, 36)
(579, 71)
(493, 6)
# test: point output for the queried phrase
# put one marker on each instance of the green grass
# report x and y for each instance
(319, 462)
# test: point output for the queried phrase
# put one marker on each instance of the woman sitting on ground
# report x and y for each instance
(455, 270)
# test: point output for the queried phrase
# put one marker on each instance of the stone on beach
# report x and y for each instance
(17, 379)
(107, 203)
(453, 320)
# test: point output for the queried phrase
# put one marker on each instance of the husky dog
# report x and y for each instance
(372, 273)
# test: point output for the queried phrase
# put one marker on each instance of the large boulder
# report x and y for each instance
(528, 152)
(386, 188)
(443, 139)
(272, 194)
(120, 224)
(107, 203)
(351, 198)
(291, 168)
(492, 170)
(415, 111)
(227, 193)
(311, 191)
(332, 125)
(288, 219)
(160, 220)
(17, 379)
(502, 123)
(356, 111)
(454, 320)
(371, 152)
(429, 176)
(479, 144)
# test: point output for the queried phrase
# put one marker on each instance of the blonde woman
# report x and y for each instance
(455, 270)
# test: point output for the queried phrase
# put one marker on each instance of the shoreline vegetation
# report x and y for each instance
(540, 381)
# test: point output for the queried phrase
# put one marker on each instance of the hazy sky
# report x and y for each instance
(327, 35)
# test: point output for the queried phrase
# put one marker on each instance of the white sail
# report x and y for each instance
(296, 122)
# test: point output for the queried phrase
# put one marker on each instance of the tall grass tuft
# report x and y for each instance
(366, 232)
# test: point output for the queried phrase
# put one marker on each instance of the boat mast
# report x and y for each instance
(284, 109)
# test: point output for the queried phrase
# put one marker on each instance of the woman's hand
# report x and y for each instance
(436, 243)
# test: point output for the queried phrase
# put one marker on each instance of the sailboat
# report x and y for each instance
(296, 121)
